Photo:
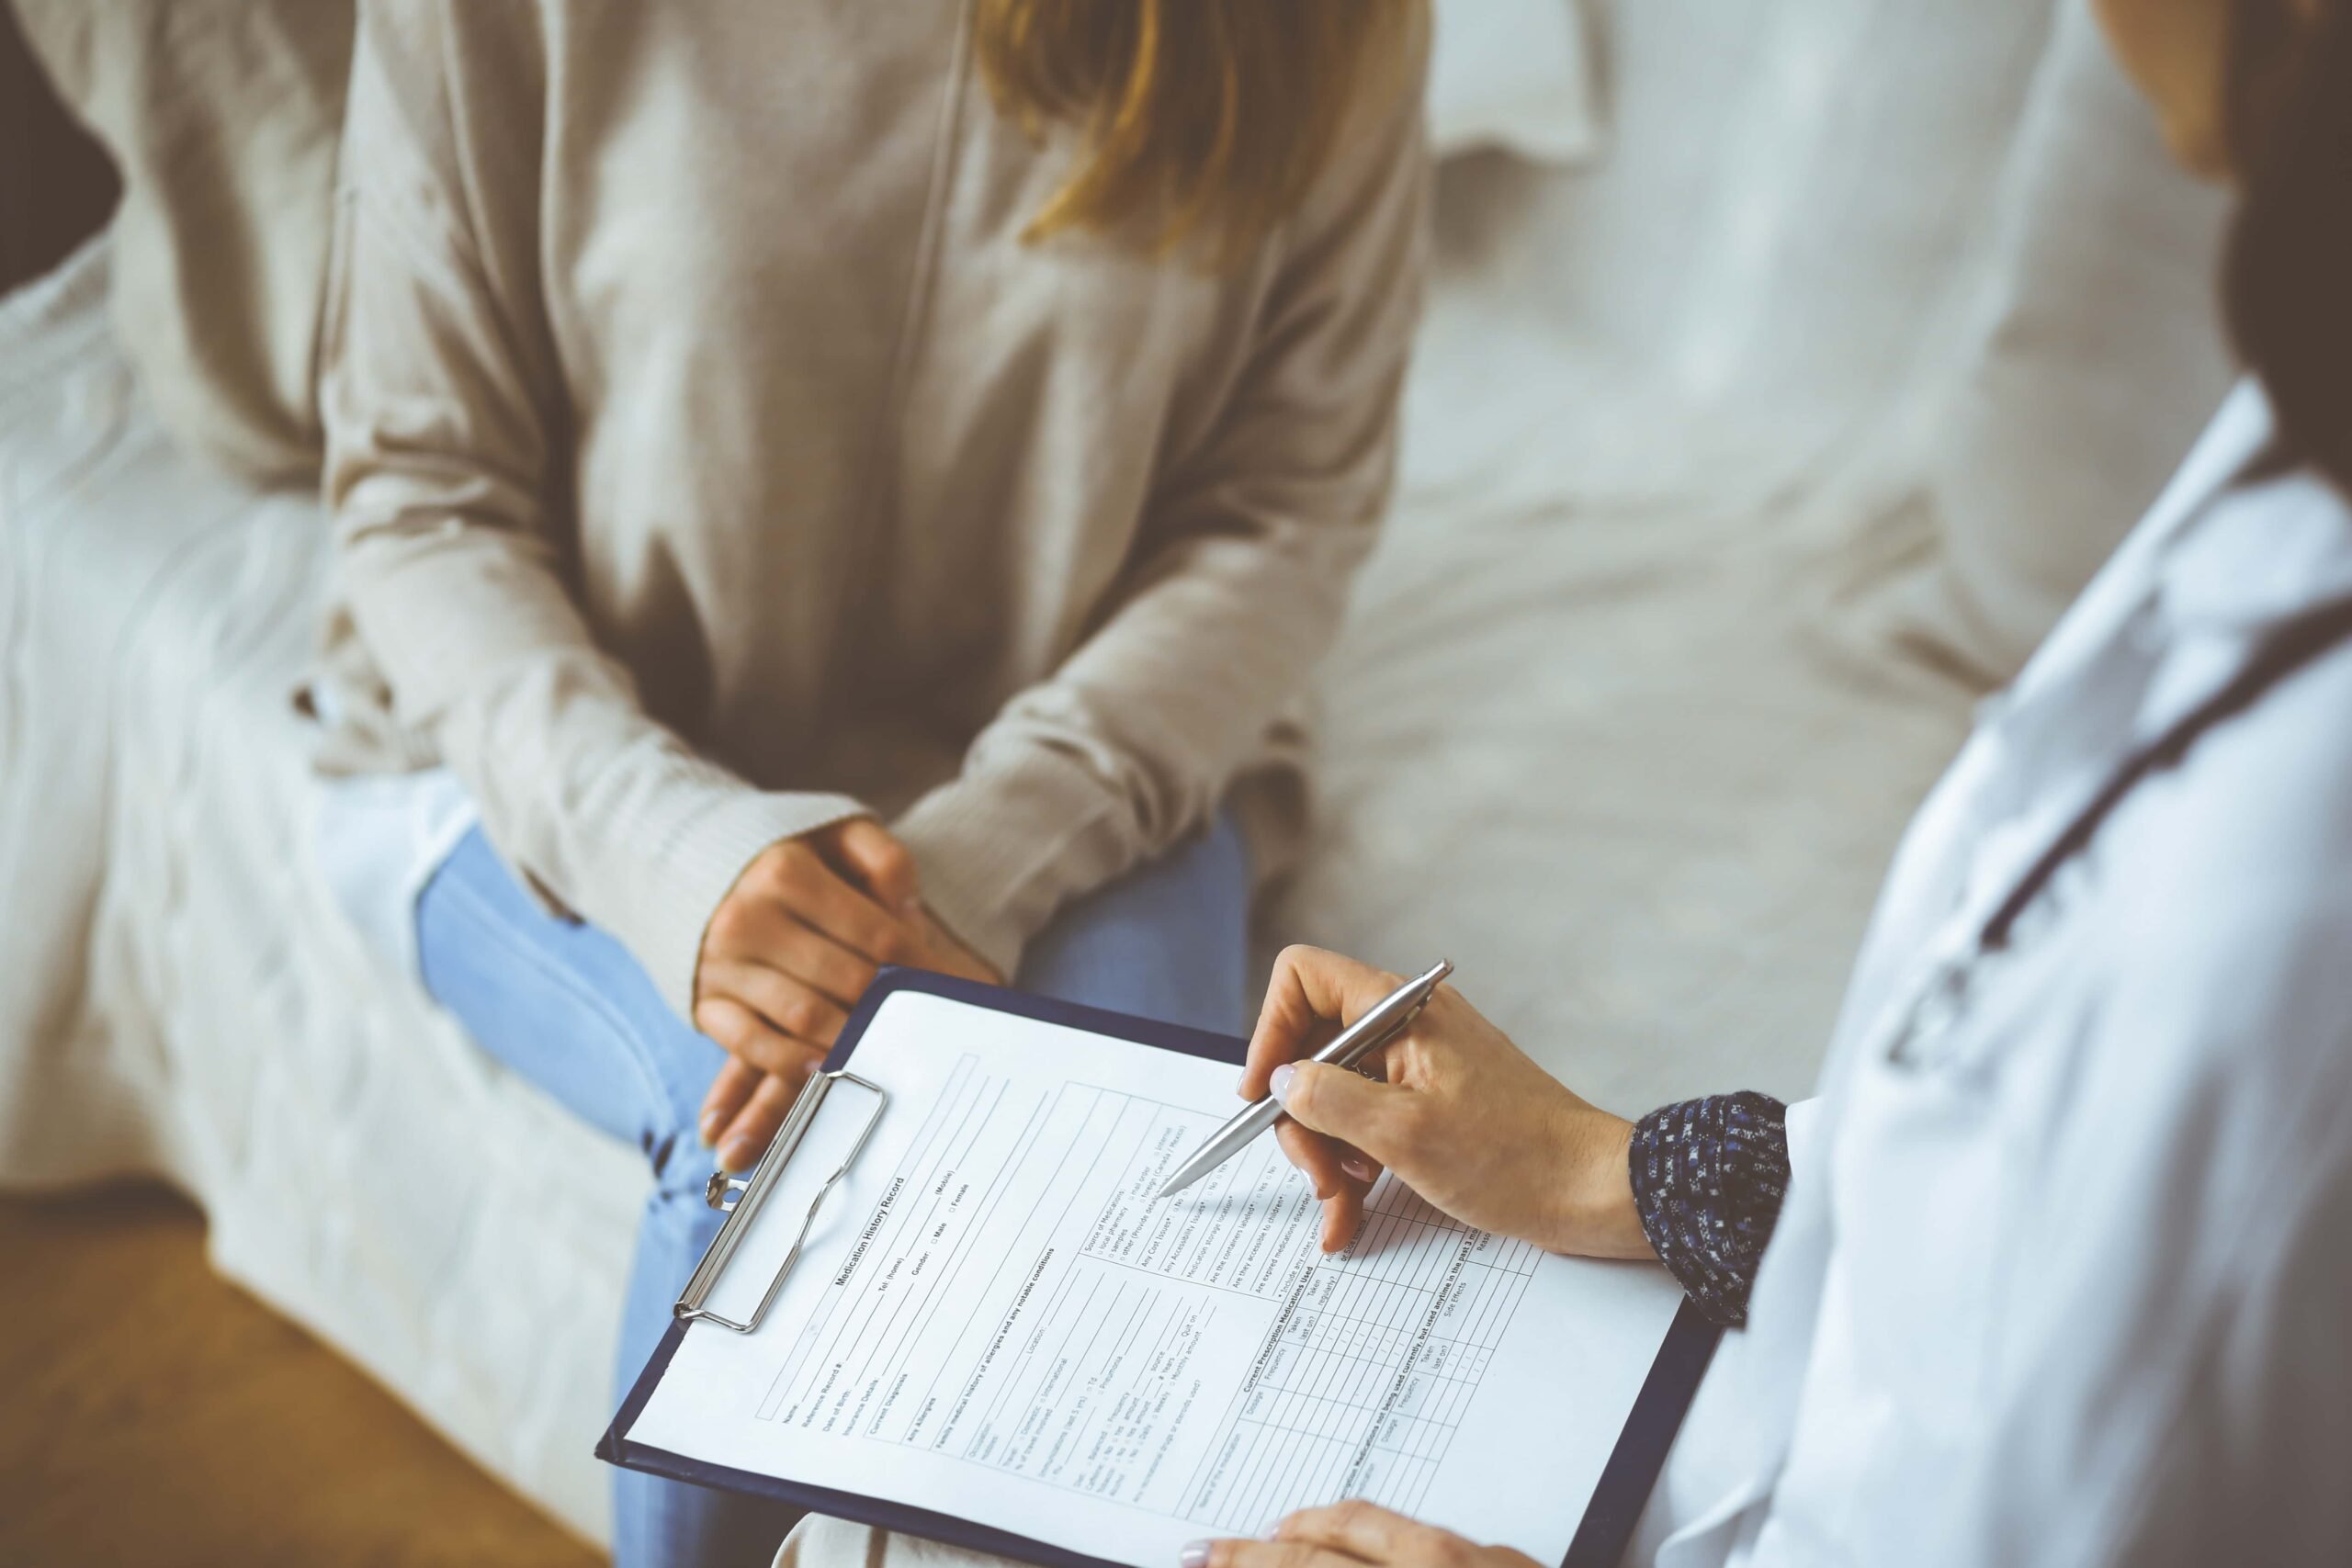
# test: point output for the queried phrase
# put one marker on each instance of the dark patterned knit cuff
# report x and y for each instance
(1708, 1177)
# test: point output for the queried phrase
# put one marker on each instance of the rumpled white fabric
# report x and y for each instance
(2092, 358)
(1630, 713)
(1513, 76)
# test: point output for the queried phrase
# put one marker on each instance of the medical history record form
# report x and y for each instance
(993, 1320)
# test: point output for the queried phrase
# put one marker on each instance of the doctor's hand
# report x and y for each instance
(1350, 1535)
(1464, 1118)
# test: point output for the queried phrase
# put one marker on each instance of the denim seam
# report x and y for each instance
(502, 936)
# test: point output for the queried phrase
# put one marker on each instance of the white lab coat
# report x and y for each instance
(2079, 1289)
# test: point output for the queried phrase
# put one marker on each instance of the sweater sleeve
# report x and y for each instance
(442, 401)
(1708, 1178)
(1236, 588)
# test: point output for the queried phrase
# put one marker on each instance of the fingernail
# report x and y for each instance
(1359, 1169)
(1280, 1080)
(709, 1129)
(1241, 1084)
(1194, 1555)
(911, 906)
(737, 1155)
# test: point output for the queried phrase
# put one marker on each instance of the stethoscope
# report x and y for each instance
(2292, 647)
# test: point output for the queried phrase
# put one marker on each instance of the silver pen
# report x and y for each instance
(1384, 1021)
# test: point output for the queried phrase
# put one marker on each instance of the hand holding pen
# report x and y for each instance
(1466, 1119)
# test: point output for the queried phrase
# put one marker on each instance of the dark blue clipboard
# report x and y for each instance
(1617, 1501)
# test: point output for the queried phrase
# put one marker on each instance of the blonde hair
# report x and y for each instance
(1200, 118)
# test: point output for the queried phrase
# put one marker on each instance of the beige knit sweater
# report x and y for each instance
(711, 459)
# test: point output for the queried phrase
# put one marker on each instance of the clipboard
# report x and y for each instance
(1600, 1541)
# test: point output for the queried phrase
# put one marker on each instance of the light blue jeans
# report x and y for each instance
(565, 1006)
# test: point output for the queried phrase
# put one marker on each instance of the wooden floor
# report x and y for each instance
(153, 1414)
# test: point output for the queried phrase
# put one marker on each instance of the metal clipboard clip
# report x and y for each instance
(740, 1196)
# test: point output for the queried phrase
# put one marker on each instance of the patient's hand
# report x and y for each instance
(791, 949)
(1350, 1535)
(1464, 1118)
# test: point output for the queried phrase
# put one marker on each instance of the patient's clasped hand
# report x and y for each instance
(789, 951)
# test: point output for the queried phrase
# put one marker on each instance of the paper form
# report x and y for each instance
(994, 1319)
